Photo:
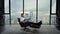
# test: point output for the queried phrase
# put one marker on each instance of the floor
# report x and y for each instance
(16, 29)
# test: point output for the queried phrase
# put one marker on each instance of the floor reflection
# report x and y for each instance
(34, 31)
(16, 29)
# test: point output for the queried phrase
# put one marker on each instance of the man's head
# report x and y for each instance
(22, 15)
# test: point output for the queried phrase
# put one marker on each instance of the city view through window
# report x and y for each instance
(30, 9)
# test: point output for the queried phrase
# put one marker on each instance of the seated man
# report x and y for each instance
(22, 21)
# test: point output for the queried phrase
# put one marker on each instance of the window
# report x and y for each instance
(53, 13)
(6, 9)
(53, 19)
(7, 19)
(30, 9)
(16, 10)
(53, 6)
(44, 11)
(6, 2)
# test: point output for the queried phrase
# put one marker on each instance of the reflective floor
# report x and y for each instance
(16, 29)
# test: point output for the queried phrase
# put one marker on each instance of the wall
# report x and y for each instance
(1, 12)
(58, 14)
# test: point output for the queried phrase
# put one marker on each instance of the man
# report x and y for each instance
(23, 21)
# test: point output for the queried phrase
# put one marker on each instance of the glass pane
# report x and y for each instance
(6, 6)
(53, 19)
(43, 11)
(30, 9)
(7, 19)
(53, 6)
(16, 10)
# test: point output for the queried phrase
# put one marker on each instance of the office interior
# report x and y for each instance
(47, 11)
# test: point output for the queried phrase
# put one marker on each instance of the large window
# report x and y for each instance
(53, 12)
(6, 9)
(36, 10)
